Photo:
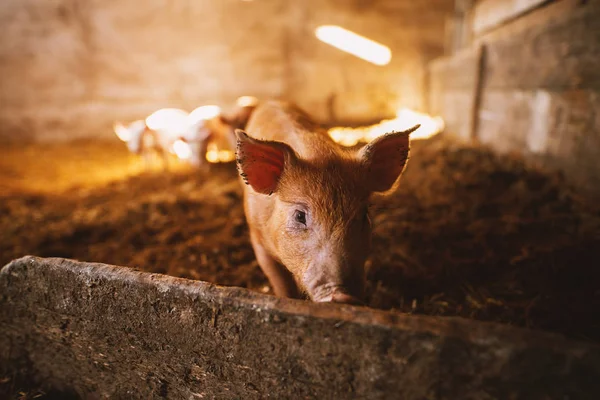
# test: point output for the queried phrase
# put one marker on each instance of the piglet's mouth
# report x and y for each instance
(337, 296)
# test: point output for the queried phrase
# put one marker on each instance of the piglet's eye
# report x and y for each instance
(300, 217)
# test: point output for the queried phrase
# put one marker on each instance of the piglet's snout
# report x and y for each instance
(340, 297)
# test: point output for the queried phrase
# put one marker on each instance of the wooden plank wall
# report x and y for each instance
(488, 14)
(539, 88)
(453, 84)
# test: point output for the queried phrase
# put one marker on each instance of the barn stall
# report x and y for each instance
(482, 280)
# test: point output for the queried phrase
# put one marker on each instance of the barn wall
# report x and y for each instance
(68, 68)
(338, 87)
(537, 86)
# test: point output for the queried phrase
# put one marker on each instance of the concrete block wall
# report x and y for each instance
(537, 86)
(107, 332)
(69, 68)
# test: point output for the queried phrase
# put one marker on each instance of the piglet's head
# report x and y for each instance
(317, 220)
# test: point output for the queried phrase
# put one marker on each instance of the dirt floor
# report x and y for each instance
(468, 233)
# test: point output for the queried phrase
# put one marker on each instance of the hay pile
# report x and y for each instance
(468, 233)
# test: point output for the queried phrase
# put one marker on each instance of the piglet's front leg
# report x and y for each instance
(280, 278)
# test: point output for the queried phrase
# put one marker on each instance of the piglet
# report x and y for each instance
(239, 117)
(306, 201)
(154, 135)
(142, 140)
(218, 129)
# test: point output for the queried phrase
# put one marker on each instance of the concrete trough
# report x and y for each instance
(103, 331)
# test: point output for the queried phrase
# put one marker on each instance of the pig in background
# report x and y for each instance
(143, 141)
(154, 136)
(239, 117)
(219, 129)
(306, 201)
(187, 135)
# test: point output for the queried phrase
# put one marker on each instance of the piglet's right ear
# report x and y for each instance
(385, 159)
(260, 162)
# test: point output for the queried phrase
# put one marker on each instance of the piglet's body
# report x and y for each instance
(306, 201)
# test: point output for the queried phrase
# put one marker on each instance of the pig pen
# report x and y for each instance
(469, 233)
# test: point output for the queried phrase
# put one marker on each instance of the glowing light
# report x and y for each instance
(405, 119)
(246, 101)
(346, 136)
(203, 113)
(216, 155)
(226, 155)
(354, 44)
(430, 126)
(168, 120)
(182, 149)
(212, 153)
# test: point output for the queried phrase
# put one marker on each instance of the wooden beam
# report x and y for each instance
(453, 84)
(489, 14)
(539, 19)
(562, 54)
(477, 92)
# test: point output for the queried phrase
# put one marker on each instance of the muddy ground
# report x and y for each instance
(468, 233)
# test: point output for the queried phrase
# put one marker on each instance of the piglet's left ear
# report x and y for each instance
(384, 159)
(261, 163)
